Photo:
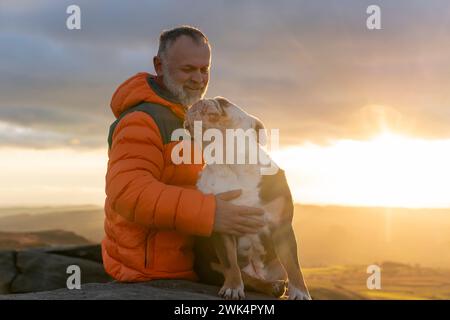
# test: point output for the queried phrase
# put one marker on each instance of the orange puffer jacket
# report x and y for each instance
(152, 208)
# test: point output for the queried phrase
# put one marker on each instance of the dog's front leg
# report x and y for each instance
(233, 287)
(286, 248)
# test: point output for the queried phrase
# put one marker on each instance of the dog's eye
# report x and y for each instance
(222, 111)
(221, 105)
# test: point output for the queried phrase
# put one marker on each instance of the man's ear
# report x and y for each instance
(261, 136)
(157, 64)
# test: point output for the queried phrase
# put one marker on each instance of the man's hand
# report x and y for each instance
(236, 220)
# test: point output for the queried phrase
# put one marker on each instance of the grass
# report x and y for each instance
(398, 282)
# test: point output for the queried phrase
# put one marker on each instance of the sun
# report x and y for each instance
(389, 170)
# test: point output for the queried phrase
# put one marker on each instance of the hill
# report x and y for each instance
(48, 238)
(86, 221)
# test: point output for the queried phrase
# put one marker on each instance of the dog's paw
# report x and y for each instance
(295, 293)
(232, 293)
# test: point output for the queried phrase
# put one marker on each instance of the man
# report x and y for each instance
(152, 208)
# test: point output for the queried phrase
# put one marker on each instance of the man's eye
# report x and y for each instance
(204, 70)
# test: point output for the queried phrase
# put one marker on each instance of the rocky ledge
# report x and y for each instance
(44, 269)
(42, 274)
(152, 290)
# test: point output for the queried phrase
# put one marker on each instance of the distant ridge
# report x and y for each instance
(86, 221)
(48, 238)
(15, 210)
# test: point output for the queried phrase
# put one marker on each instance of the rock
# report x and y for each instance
(91, 252)
(40, 271)
(41, 274)
(45, 269)
(7, 270)
(151, 290)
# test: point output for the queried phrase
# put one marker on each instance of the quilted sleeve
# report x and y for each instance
(134, 188)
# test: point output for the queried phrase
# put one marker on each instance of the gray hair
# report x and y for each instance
(167, 37)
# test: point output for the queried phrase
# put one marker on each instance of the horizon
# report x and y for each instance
(322, 205)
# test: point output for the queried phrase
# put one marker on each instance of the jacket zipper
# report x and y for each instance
(146, 249)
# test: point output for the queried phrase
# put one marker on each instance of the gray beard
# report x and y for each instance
(185, 98)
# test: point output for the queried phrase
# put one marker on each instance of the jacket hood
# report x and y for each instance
(137, 90)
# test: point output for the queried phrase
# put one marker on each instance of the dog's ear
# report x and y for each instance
(223, 104)
(261, 135)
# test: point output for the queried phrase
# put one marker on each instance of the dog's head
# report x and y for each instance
(220, 113)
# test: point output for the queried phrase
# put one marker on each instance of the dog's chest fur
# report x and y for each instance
(256, 249)
(219, 178)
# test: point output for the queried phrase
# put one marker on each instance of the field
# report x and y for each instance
(398, 281)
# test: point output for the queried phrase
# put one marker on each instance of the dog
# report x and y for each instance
(266, 262)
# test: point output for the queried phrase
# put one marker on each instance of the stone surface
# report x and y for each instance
(90, 252)
(38, 271)
(152, 290)
(7, 270)
(44, 269)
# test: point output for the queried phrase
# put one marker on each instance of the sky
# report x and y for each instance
(310, 68)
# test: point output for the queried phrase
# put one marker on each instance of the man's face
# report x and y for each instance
(185, 69)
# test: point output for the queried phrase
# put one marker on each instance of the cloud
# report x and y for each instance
(309, 68)
(19, 136)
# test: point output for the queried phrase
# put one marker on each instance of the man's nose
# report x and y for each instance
(197, 77)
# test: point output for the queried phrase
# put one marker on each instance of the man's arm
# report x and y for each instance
(134, 188)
